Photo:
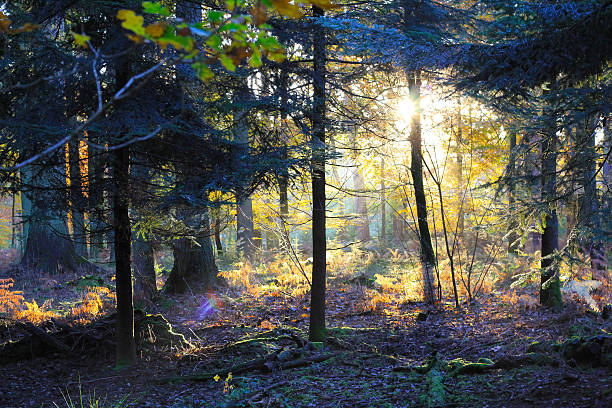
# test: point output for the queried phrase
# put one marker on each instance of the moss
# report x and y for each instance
(459, 366)
(435, 387)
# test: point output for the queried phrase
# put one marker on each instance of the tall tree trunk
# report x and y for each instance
(122, 234)
(550, 288)
(459, 172)
(245, 227)
(316, 330)
(361, 204)
(126, 347)
(95, 194)
(589, 205)
(512, 235)
(283, 180)
(416, 169)
(77, 199)
(383, 204)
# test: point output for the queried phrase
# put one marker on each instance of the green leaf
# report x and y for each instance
(269, 43)
(215, 42)
(227, 62)
(202, 70)
(231, 26)
(255, 58)
(215, 16)
(155, 8)
(277, 56)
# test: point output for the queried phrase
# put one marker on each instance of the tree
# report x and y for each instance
(316, 331)
(428, 259)
(550, 288)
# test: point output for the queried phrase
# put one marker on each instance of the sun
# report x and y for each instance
(404, 111)
(431, 136)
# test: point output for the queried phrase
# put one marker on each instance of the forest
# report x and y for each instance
(305, 203)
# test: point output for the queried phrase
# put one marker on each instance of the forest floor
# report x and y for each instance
(374, 355)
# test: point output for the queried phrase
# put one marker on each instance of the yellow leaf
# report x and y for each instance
(285, 8)
(156, 30)
(131, 21)
(136, 38)
(80, 39)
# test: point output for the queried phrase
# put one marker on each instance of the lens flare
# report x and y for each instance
(209, 304)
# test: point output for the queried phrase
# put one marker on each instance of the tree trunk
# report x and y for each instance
(383, 204)
(77, 200)
(550, 288)
(122, 235)
(283, 180)
(145, 285)
(512, 235)
(95, 192)
(589, 205)
(126, 348)
(48, 248)
(244, 212)
(416, 169)
(316, 330)
(459, 173)
(194, 261)
(217, 232)
(361, 204)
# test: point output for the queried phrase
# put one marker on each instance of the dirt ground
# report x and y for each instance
(359, 367)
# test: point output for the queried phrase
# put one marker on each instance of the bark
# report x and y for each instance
(550, 288)
(194, 261)
(217, 232)
(48, 248)
(416, 169)
(512, 235)
(316, 331)
(283, 180)
(383, 204)
(589, 205)
(95, 192)
(126, 347)
(459, 172)
(145, 286)
(257, 239)
(245, 227)
(77, 200)
(122, 234)
(361, 207)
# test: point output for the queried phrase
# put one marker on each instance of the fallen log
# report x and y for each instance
(265, 364)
